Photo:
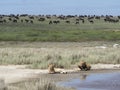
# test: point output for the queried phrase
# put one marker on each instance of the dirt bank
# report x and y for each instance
(16, 73)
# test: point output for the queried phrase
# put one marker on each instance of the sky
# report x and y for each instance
(65, 7)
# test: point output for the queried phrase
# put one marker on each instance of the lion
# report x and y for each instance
(88, 66)
(51, 69)
(84, 66)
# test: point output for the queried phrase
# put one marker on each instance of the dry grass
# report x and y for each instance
(65, 54)
(42, 83)
(39, 55)
(2, 85)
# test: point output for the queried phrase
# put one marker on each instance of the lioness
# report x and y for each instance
(51, 69)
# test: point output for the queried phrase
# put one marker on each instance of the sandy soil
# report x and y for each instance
(16, 73)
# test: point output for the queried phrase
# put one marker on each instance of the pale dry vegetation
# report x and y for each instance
(39, 55)
(41, 84)
(63, 56)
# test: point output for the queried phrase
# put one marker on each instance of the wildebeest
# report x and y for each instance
(4, 21)
(83, 21)
(31, 21)
(50, 22)
(77, 19)
(22, 20)
(1, 21)
(15, 21)
(56, 22)
(23, 15)
(91, 21)
(48, 16)
(41, 19)
(31, 17)
(26, 20)
(62, 17)
(67, 22)
(111, 20)
(10, 19)
(77, 22)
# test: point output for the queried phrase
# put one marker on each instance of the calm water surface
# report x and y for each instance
(103, 81)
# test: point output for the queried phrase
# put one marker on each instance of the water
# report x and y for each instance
(103, 81)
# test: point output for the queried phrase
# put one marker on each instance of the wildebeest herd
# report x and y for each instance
(57, 19)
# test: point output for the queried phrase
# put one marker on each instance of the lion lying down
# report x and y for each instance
(51, 69)
(84, 66)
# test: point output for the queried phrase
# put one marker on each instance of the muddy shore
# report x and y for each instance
(102, 79)
(17, 73)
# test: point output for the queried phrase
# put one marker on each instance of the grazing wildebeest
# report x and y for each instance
(48, 16)
(62, 17)
(41, 19)
(31, 21)
(26, 20)
(83, 21)
(31, 17)
(1, 17)
(97, 17)
(91, 21)
(10, 19)
(77, 22)
(118, 17)
(56, 22)
(50, 22)
(77, 19)
(4, 21)
(16, 17)
(23, 15)
(1, 21)
(67, 22)
(108, 19)
(70, 16)
(15, 21)
(22, 20)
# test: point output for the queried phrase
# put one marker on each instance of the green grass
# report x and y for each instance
(42, 31)
(58, 35)
(30, 44)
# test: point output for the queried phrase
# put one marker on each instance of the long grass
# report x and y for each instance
(40, 84)
(44, 82)
(62, 54)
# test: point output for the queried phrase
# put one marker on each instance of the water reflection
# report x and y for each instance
(103, 81)
(83, 77)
